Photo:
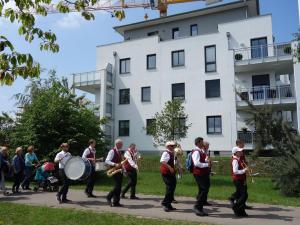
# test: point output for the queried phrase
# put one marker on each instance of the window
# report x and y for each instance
(194, 30)
(123, 128)
(178, 58)
(108, 131)
(178, 91)
(152, 33)
(175, 33)
(149, 124)
(214, 124)
(109, 100)
(124, 66)
(146, 94)
(151, 62)
(212, 88)
(179, 131)
(210, 58)
(259, 48)
(124, 96)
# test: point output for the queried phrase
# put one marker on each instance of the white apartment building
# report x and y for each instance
(200, 56)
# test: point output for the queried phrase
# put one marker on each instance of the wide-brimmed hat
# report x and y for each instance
(170, 143)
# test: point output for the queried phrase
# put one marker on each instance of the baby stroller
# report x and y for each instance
(45, 179)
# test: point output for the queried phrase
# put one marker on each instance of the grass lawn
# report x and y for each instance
(262, 191)
(35, 215)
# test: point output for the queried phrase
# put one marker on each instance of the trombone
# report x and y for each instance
(112, 171)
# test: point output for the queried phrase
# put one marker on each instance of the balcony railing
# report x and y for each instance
(262, 52)
(87, 78)
(266, 93)
(247, 136)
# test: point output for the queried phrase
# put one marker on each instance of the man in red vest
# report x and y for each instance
(131, 168)
(168, 175)
(114, 159)
(238, 173)
(201, 171)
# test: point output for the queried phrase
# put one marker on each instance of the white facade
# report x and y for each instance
(235, 25)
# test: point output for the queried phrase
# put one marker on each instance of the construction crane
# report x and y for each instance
(116, 7)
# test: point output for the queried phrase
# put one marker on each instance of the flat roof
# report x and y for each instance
(253, 6)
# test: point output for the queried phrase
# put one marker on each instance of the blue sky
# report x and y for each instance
(78, 38)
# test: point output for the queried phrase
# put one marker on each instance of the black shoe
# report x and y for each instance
(166, 208)
(172, 208)
(117, 204)
(91, 195)
(134, 197)
(174, 201)
(207, 204)
(28, 188)
(123, 196)
(58, 199)
(248, 207)
(199, 212)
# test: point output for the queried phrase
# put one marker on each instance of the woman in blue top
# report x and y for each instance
(31, 161)
(18, 168)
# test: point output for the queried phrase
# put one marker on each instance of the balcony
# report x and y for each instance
(263, 57)
(267, 95)
(247, 136)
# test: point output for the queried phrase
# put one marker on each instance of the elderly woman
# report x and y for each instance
(4, 167)
(31, 161)
(18, 169)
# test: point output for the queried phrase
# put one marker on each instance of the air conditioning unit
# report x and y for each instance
(210, 2)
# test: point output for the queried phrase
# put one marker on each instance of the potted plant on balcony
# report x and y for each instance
(244, 129)
(287, 50)
(238, 56)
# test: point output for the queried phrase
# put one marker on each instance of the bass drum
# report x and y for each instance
(77, 168)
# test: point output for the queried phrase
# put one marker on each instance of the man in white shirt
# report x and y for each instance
(61, 158)
(238, 173)
(114, 159)
(90, 154)
(168, 175)
(131, 168)
(201, 171)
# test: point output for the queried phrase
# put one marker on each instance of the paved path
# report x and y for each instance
(149, 206)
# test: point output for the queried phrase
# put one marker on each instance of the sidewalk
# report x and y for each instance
(149, 206)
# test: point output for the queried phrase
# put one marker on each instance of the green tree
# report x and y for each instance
(169, 124)
(53, 115)
(284, 142)
(14, 63)
(6, 128)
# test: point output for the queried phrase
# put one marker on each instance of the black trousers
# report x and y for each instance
(170, 182)
(63, 191)
(132, 180)
(91, 181)
(18, 179)
(116, 191)
(203, 182)
(241, 195)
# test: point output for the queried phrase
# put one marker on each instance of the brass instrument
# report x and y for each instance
(249, 172)
(211, 163)
(112, 171)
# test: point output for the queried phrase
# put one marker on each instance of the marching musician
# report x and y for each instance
(168, 175)
(239, 144)
(131, 168)
(90, 154)
(205, 148)
(238, 173)
(114, 159)
(61, 158)
(200, 170)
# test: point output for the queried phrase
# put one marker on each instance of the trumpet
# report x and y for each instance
(249, 172)
(112, 171)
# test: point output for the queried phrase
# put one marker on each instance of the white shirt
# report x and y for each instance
(196, 158)
(165, 157)
(110, 156)
(235, 166)
(64, 156)
(132, 160)
(87, 151)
